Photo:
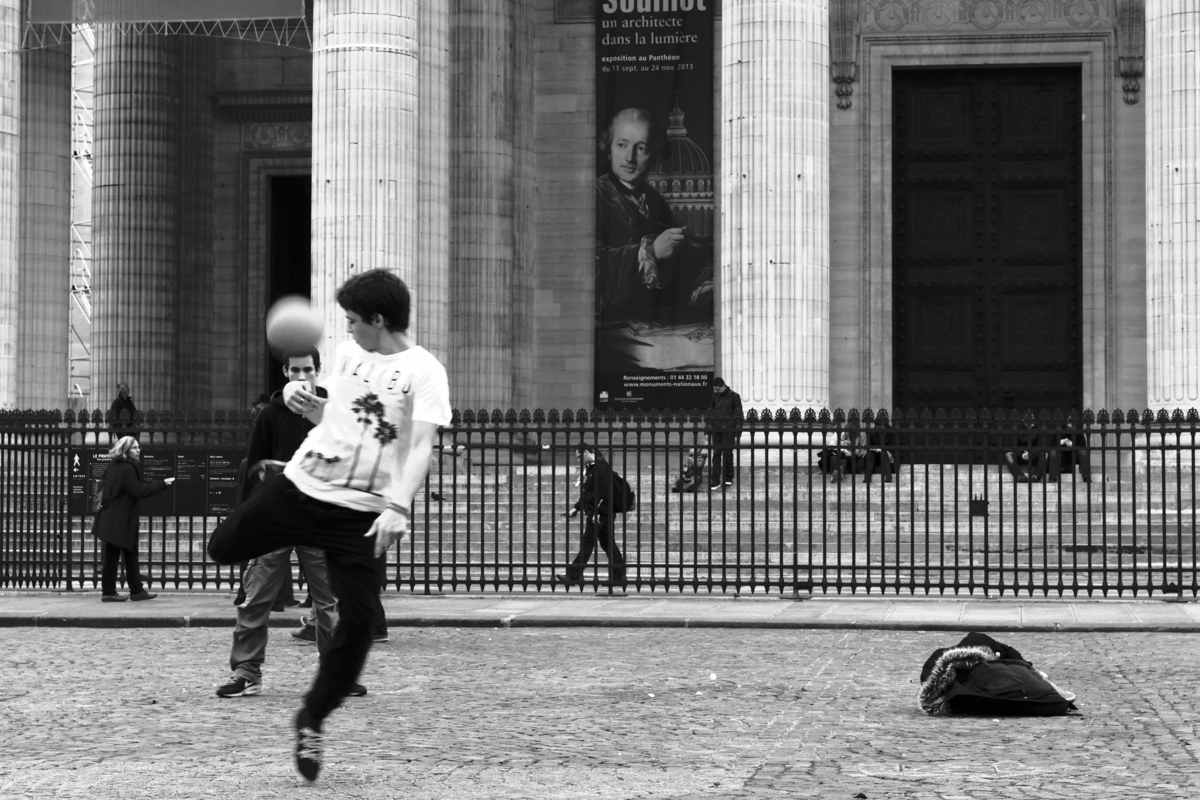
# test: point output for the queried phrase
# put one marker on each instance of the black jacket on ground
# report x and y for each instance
(120, 490)
(981, 676)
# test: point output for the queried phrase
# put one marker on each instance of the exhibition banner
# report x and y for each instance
(654, 203)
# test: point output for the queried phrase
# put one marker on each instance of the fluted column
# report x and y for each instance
(483, 218)
(431, 281)
(44, 282)
(774, 274)
(364, 158)
(193, 385)
(10, 182)
(135, 218)
(1172, 207)
(524, 175)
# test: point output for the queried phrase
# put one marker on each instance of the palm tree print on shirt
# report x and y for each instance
(370, 412)
(384, 432)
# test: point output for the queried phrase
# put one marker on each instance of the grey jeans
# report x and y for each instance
(262, 580)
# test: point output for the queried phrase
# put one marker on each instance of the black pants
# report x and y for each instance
(721, 467)
(280, 515)
(598, 528)
(1034, 467)
(1066, 460)
(108, 572)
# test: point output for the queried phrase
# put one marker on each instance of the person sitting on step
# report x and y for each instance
(690, 480)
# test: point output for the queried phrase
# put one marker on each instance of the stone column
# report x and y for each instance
(431, 274)
(135, 218)
(486, 319)
(1172, 207)
(773, 312)
(193, 385)
(44, 280)
(364, 159)
(10, 183)
(524, 169)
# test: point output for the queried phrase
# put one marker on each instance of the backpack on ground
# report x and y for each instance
(623, 497)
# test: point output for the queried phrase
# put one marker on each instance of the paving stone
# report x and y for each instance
(590, 713)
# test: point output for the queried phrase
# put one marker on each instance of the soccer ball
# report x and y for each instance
(293, 326)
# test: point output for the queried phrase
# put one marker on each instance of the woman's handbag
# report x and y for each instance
(97, 497)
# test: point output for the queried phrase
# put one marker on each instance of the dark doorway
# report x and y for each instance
(290, 256)
(987, 248)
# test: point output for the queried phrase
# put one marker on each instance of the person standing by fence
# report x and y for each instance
(122, 406)
(348, 490)
(117, 521)
(278, 432)
(724, 426)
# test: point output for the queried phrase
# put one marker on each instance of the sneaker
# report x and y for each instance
(113, 598)
(306, 635)
(729, 483)
(309, 745)
(239, 687)
(380, 636)
(143, 595)
(357, 690)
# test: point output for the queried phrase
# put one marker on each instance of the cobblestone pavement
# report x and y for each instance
(590, 713)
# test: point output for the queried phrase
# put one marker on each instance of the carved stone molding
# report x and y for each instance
(567, 11)
(843, 47)
(925, 16)
(1131, 46)
(285, 104)
(287, 136)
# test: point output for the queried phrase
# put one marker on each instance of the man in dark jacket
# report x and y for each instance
(596, 502)
(122, 405)
(278, 433)
(724, 426)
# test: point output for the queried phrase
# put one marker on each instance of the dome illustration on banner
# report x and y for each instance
(684, 177)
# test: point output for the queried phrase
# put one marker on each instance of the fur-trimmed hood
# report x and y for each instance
(949, 665)
(982, 676)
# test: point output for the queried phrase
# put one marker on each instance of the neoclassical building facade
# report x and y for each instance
(916, 202)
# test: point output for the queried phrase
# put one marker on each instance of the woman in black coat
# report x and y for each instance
(116, 523)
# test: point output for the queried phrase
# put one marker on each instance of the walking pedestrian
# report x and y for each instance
(117, 522)
(348, 489)
(596, 502)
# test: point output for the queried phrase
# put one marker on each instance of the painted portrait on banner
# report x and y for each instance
(654, 203)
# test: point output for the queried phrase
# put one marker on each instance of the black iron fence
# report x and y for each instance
(984, 503)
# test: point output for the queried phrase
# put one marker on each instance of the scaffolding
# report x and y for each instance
(285, 32)
(83, 59)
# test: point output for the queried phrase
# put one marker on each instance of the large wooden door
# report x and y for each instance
(986, 232)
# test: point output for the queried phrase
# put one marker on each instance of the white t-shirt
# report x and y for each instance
(354, 457)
